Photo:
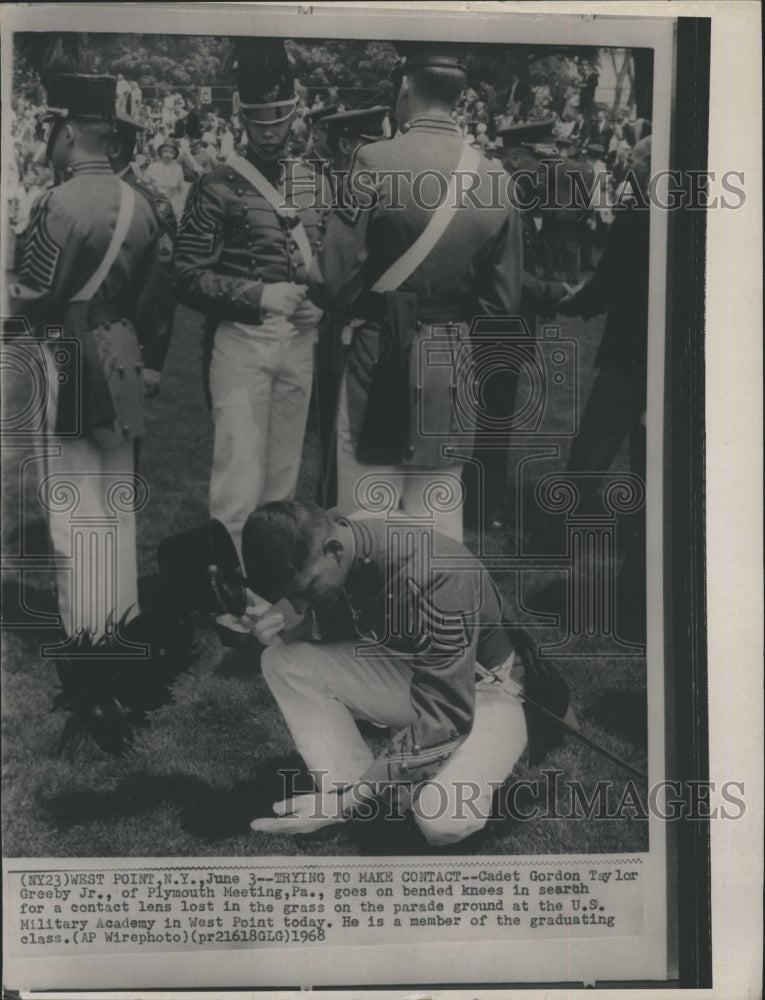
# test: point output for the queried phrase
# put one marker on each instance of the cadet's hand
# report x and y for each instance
(571, 291)
(283, 297)
(264, 623)
(302, 814)
(151, 380)
(306, 316)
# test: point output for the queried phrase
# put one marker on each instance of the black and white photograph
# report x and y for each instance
(354, 493)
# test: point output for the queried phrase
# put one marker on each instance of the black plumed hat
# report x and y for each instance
(264, 73)
(81, 95)
(201, 571)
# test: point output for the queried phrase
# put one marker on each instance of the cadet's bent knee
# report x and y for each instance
(276, 660)
(438, 819)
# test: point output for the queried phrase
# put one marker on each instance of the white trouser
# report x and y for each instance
(260, 382)
(322, 689)
(90, 495)
(432, 493)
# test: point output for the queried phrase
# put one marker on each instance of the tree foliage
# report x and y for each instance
(151, 60)
(343, 63)
(350, 65)
(156, 60)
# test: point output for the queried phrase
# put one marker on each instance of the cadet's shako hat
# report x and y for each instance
(417, 55)
(536, 136)
(201, 570)
(266, 80)
(421, 55)
(127, 126)
(81, 96)
(363, 123)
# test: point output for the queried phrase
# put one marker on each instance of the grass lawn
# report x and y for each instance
(208, 763)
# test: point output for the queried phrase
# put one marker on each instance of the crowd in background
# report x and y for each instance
(181, 139)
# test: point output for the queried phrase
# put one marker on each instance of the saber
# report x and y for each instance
(566, 726)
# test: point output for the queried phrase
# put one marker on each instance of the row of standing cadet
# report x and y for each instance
(265, 273)
(236, 272)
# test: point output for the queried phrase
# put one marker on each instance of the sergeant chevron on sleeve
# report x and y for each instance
(402, 619)
(90, 266)
(247, 238)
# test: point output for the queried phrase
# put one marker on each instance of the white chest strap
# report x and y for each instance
(275, 200)
(408, 263)
(124, 218)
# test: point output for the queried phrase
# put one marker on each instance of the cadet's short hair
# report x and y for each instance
(96, 134)
(441, 84)
(277, 541)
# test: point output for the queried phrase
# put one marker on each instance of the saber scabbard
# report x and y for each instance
(565, 726)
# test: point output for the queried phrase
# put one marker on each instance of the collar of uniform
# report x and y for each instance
(434, 122)
(273, 170)
(98, 165)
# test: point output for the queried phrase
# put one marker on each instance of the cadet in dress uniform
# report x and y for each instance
(244, 248)
(472, 268)
(449, 733)
(341, 135)
(524, 148)
(89, 265)
(121, 153)
(318, 146)
(561, 219)
(616, 407)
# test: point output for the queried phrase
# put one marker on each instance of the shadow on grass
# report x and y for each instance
(623, 714)
(206, 812)
(152, 592)
(551, 598)
(243, 662)
(30, 613)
